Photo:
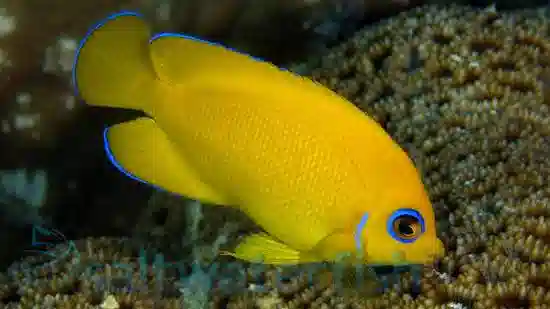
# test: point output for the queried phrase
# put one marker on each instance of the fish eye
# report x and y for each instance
(406, 225)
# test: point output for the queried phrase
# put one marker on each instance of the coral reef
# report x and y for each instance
(466, 92)
(90, 273)
(122, 273)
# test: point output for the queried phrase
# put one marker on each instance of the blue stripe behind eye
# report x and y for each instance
(359, 232)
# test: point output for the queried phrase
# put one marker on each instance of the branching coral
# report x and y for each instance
(87, 273)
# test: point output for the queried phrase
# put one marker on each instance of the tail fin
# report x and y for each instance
(112, 65)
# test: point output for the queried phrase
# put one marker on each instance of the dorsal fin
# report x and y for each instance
(180, 58)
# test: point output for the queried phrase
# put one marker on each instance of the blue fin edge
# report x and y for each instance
(194, 38)
(86, 37)
(118, 166)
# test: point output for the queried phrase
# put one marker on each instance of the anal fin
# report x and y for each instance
(142, 151)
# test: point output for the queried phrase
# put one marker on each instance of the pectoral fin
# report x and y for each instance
(262, 248)
(142, 151)
(338, 246)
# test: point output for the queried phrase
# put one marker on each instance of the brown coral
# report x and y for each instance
(85, 273)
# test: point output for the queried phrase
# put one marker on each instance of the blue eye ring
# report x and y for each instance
(406, 225)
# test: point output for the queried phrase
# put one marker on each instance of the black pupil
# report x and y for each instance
(405, 227)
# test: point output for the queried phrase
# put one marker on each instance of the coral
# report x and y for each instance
(124, 273)
(88, 273)
(466, 93)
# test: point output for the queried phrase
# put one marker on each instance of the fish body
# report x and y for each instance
(317, 174)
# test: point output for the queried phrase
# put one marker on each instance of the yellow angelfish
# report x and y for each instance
(317, 174)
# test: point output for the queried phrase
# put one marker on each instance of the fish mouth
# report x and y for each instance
(436, 252)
